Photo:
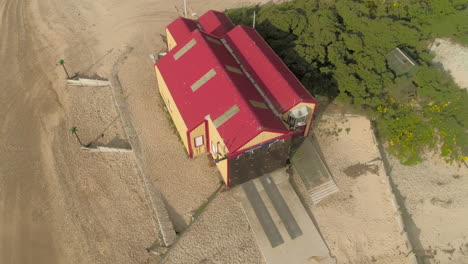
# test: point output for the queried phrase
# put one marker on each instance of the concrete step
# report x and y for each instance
(324, 190)
(325, 185)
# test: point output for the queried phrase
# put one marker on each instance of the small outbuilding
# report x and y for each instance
(229, 94)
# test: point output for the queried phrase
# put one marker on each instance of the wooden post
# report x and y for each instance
(253, 24)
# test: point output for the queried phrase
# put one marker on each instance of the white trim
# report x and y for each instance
(214, 148)
(406, 57)
(198, 141)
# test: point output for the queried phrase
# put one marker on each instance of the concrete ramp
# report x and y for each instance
(283, 229)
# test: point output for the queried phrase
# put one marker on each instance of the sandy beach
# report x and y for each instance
(59, 204)
(452, 58)
(358, 222)
(435, 198)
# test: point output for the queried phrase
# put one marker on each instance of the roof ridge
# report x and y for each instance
(221, 69)
(259, 58)
(231, 79)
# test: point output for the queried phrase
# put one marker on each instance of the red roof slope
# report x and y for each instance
(215, 23)
(275, 79)
(218, 94)
(180, 28)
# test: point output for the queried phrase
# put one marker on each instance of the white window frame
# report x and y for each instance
(198, 141)
(214, 148)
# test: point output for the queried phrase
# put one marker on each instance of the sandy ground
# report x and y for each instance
(454, 59)
(357, 223)
(94, 114)
(57, 203)
(61, 205)
(186, 183)
(220, 235)
(435, 195)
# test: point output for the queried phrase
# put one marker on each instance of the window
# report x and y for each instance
(214, 148)
(199, 141)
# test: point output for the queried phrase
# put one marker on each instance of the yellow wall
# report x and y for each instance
(170, 40)
(214, 138)
(223, 169)
(172, 108)
(260, 138)
(310, 108)
(196, 132)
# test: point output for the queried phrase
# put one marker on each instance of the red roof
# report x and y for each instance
(218, 94)
(180, 28)
(275, 79)
(215, 23)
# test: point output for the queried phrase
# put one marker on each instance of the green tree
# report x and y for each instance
(339, 49)
(74, 131)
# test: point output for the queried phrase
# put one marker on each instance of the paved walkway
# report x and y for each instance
(283, 229)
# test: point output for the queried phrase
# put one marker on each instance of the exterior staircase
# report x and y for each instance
(322, 191)
(312, 168)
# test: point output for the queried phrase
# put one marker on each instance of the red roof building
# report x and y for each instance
(267, 69)
(229, 94)
(215, 23)
(227, 87)
(179, 30)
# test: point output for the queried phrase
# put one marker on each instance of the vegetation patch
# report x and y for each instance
(340, 49)
(330, 129)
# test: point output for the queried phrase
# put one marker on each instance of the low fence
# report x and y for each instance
(88, 82)
(106, 149)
